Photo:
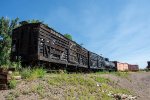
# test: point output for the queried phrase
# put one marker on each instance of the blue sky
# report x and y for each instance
(117, 29)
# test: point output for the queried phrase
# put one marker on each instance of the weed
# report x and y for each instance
(120, 90)
(12, 84)
(16, 73)
(39, 89)
(102, 72)
(104, 96)
(5, 67)
(16, 65)
(26, 73)
(25, 92)
(121, 74)
(31, 74)
(102, 80)
(38, 73)
(9, 97)
(12, 95)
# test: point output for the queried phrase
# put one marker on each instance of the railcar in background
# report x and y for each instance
(133, 67)
(125, 66)
(148, 65)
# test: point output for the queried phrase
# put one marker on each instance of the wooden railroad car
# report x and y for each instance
(36, 43)
(121, 66)
(94, 61)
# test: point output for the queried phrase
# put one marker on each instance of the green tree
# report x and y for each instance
(34, 21)
(30, 21)
(6, 27)
(68, 36)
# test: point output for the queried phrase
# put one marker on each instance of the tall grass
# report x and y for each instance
(121, 74)
(28, 73)
(38, 73)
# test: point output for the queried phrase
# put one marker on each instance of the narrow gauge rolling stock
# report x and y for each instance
(110, 66)
(36, 43)
(95, 61)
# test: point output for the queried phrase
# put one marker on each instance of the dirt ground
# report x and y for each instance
(136, 82)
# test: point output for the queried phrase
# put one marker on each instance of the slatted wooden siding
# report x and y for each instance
(100, 62)
(24, 42)
(73, 58)
(96, 61)
(52, 46)
(82, 55)
(56, 48)
(93, 60)
(37, 42)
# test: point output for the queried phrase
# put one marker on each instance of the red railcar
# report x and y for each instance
(133, 67)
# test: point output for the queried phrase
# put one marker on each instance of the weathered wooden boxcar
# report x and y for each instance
(95, 61)
(37, 43)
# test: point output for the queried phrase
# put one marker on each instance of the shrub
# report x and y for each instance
(12, 84)
(28, 73)
(38, 73)
(16, 73)
(5, 66)
(16, 65)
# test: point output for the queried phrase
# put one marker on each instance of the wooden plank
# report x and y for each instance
(58, 37)
(58, 47)
(50, 30)
(52, 60)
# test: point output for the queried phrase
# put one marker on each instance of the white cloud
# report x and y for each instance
(132, 35)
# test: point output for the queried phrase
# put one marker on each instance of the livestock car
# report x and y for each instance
(38, 44)
(96, 62)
